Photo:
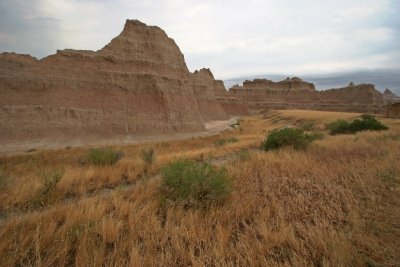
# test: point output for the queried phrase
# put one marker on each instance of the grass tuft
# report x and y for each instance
(194, 183)
(51, 178)
(148, 156)
(308, 126)
(243, 155)
(103, 156)
(222, 142)
(3, 180)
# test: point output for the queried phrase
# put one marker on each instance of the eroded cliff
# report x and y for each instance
(137, 84)
(294, 93)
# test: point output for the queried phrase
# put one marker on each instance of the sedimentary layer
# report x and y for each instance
(294, 93)
(137, 84)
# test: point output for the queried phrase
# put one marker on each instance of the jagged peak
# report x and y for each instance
(133, 26)
(204, 71)
(134, 22)
(389, 92)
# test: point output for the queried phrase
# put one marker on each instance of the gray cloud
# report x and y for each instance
(24, 29)
(233, 38)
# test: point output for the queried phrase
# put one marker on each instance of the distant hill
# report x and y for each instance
(381, 78)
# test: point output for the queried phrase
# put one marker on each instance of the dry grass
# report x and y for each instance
(318, 116)
(335, 204)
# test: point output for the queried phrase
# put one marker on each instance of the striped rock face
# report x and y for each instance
(138, 84)
(294, 93)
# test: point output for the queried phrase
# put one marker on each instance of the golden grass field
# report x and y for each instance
(335, 204)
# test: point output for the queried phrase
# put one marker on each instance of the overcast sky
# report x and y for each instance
(232, 37)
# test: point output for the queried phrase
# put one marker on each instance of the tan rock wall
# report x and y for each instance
(297, 94)
(203, 87)
(137, 84)
(393, 110)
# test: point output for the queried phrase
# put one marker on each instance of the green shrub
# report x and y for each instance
(103, 156)
(339, 126)
(288, 137)
(367, 122)
(222, 142)
(194, 183)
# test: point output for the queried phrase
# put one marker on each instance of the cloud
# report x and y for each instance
(25, 29)
(233, 38)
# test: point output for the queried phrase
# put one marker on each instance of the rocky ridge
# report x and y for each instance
(294, 93)
(390, 97)
(137, 84)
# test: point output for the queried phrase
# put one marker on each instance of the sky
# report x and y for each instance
(234, 38)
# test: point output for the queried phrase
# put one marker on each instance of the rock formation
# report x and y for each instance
(261, 94)
(139, 84)
(390, 97)
(393, 110)
(203, 86)
(136, 84)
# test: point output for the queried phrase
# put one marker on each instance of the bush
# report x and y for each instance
(103, 156)
(288, 137)
(367, 122)
(222, 142)
(194, 183)
(339, 126)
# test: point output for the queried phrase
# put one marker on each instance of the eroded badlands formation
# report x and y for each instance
(294, 93)
(390, 97)
(139, 84)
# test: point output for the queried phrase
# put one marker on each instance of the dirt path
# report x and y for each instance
(212, 128)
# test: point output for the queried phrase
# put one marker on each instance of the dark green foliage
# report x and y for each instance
(194, 183)
(103, 156)
(148, 155)
(339, 126)
(314, 136)
(222, 142)
(288, 137)
(367, 122)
